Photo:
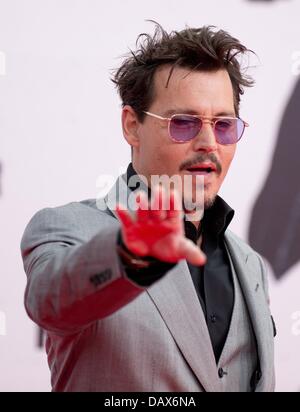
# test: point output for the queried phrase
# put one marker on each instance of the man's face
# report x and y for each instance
(207, 94)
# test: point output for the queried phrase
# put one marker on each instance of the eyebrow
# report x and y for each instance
(189, 111)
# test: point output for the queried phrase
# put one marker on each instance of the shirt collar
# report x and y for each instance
(130, 173)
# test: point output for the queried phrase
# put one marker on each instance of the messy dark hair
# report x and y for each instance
(203, 49)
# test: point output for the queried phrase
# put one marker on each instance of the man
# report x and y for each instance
(128, 299)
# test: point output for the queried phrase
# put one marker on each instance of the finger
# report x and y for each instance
(124, 216)
(192, 253)
(175, 210)
(155, 198)
(142, 202)
(160, 199)
(156, 210)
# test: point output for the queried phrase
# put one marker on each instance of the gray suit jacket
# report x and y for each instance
(105, 333)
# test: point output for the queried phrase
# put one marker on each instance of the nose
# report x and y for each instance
(205, 140)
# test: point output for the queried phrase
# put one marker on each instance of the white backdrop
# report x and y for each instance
(60, 129)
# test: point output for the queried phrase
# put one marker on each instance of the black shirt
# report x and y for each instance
(213, 281)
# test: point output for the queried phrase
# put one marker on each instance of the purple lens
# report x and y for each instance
(229, 131)
(184, 128)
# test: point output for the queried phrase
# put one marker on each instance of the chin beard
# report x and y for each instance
(195, 202)
(208, 203)
(196, 213)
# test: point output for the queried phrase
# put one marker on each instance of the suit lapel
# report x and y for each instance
(247, 271)
(177, 302)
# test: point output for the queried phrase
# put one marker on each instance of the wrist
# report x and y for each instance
(130, 259)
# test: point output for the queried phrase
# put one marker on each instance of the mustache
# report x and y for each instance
(200, 158)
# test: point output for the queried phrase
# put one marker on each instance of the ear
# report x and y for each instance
(130, 124)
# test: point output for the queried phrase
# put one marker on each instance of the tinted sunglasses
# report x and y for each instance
(184, 127)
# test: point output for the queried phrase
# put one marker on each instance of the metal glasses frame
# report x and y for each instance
(209, 120)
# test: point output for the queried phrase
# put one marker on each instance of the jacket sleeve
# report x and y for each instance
(74, 274)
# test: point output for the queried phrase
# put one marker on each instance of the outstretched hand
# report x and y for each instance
(157, 232)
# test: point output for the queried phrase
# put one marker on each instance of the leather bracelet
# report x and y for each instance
(132, 261)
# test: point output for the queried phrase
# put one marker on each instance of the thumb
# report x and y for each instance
(192, 253)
